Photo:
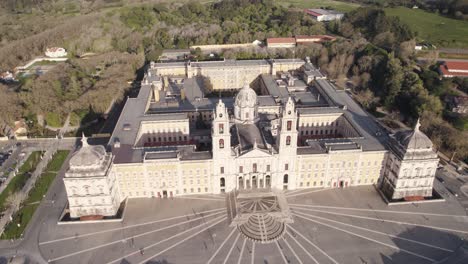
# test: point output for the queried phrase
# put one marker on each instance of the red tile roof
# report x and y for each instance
(310, 12)
(281, 40)
(457, 65)
(445, 71)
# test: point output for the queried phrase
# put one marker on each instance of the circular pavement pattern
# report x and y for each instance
(350, 225)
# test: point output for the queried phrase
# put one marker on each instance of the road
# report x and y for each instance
(453, 182)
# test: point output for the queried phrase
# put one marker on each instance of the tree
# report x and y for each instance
(153, 54)
(392, 80)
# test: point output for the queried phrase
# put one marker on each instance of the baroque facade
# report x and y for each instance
(296, 130)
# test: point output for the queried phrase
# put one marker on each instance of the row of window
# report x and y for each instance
(414, 183)
(341, 164)
(320, 124)
(321, 183)
(319, 132)
(167, 139)
(254, 168)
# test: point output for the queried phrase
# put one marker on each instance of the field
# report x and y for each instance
(438, 30)
(16, 227)
(337, 5)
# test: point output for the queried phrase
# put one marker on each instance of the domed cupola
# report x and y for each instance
(414, 140)
(245, 106)
(90, 159)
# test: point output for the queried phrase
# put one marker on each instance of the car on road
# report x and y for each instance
(440, 179)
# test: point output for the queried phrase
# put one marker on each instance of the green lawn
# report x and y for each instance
(20, 179)
(54, 120)
(24, 215)
(337, 5)
(440, 31)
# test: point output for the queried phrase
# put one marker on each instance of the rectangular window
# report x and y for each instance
(221, 128)
(286, 166)
(222, 170)
(268, 168)
(289, 125)
(254, 167)
(241, 169)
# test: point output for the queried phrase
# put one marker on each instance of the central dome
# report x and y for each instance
(246, 97)
(245, 106)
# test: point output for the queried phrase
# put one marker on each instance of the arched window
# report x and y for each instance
(221, 128)
(289, 125)
(285, 179)
(222, 183)
(221, 143)
(288, 140)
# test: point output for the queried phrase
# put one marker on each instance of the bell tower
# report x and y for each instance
(221, 139)
(287, 136)
(287, 147)
(220, 132)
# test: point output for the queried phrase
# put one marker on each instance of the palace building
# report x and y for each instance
(263, 124)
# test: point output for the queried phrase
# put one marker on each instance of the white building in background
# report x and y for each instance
(55, 52)
(324, 14)
(294, 130)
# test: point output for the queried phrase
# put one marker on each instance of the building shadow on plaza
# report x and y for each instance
(433, 237)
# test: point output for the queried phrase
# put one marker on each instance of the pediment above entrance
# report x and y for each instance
(256, 153)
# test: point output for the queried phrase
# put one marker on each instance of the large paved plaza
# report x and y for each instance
(350, 225)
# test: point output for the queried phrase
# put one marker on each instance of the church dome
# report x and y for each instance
(246, 97)
(415, 139)
(88, 156)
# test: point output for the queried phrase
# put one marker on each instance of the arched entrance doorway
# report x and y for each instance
(254, 182)
(267, 181)
(241, 183)
(222, 184)
(285, 182)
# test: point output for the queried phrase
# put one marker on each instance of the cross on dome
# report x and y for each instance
(84, 141)
(418, 125)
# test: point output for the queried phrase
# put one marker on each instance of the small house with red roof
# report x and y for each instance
(454, 69)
